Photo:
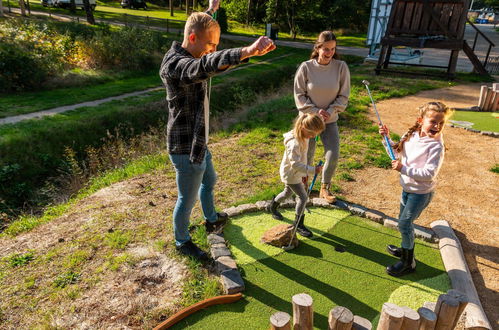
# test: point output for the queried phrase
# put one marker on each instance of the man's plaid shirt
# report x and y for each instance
(185, 79)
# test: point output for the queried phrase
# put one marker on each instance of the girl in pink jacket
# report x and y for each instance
(294, 167)
(420, 154)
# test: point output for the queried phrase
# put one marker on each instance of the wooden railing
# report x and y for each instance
(478, 32)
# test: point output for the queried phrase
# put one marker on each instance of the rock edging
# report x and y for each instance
(486, 133)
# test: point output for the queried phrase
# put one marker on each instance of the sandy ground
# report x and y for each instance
(467, 192)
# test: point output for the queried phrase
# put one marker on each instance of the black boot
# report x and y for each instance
(301, 229)
(394, 250)
(272, 208)
(406, 265)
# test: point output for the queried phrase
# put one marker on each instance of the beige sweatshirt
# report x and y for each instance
(322, 87)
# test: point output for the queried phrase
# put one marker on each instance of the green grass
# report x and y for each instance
(483, 121)
(22, 103)
(355, 279)
(495, 168)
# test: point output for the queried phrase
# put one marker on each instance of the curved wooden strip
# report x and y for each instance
(226, 299)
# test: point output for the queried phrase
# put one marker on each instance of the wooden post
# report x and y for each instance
(463, 302)
(428, 319)
(391, 317)
(340, 318)
(303, 312)
(280, 321)
(411, 319)
(446, 311)
(483, 95)
(495, 106)
(487, 99)
(493, 100)
(360, 323)
(430, 305)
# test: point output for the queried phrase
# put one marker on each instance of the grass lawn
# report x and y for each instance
(483, 121)
(355, 279)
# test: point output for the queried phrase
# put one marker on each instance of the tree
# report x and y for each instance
(1, 9)
(248, 13)
(89, 12)
(171, 8)
(72, 6)
(22, 5)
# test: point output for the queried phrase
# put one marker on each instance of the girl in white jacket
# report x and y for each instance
(294, 167)
(421, 150)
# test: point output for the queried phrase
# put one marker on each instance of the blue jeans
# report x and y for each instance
(192, 180)
(411, 206)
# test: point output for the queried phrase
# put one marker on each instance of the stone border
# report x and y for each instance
(486, 133)
(226, 266)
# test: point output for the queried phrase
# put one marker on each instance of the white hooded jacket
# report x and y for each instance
(294, 161)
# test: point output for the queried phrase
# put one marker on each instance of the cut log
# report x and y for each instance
(360, 323)
(303, 312)
(488, 98)
(391, 317)
(446, 310)
(483, 95)
(463, 302)
(280, 321)
(428, 319)
(459, 274)
(340, 318)
(430, 305)
(411, 319)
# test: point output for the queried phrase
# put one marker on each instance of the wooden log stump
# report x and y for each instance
(488, 99)
(463, 302)
(430, 305)
(280, 321)
(446, 310)
(483, 95)
(411, 319)
(340, 318)
(360, 323)
(391, 317)
(459, 274)
(428, 318)
(303, 312)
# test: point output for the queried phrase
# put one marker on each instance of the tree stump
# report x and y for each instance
(340, 318)
(280, 321)
(446, 310)
(463, 302)
(303, 312)
(360, 323)
(391, 317)
(428, 319)
(411, 319)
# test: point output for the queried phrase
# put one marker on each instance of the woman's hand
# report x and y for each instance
(324, 114)
(383, 130)
(396, 165)
(318, 169)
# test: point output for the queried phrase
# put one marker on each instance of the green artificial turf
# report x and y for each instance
(355, 278)
(483, 121)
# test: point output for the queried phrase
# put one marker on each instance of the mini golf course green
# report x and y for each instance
(355, 278)
(482, 121)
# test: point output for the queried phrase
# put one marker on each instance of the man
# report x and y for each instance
(185, 71)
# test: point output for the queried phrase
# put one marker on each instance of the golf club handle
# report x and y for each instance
(315, 177)
(389, 147)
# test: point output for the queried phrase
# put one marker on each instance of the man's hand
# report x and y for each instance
(260, 47)
(214, 5)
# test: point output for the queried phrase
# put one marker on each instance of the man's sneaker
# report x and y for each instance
(190, 249)
(217, 226)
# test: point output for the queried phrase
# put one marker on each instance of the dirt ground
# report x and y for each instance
(467, 192)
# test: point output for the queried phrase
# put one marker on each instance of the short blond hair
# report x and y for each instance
(198, 22)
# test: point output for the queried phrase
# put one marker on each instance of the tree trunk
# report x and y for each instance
(88, 11)
(187, 7)
(1, 9)
(72, 6)
(195, 5)
(171, 8)
(22, 5)
(248, 13)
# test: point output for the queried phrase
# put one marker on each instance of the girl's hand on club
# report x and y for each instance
(383, 130)
(318, 169)
(324, 114)
(396, 165)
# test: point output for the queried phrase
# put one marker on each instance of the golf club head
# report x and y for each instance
(365, 82)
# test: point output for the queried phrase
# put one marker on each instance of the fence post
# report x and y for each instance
(428, 319)
(461, 298)
(391, 317)
(303, 312)
(360, 323)
(280, 321)
(411, 319)
(340, 318)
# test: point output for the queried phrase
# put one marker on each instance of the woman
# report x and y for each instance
(322, 86)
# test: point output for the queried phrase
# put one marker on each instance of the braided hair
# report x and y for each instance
(423, 110)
